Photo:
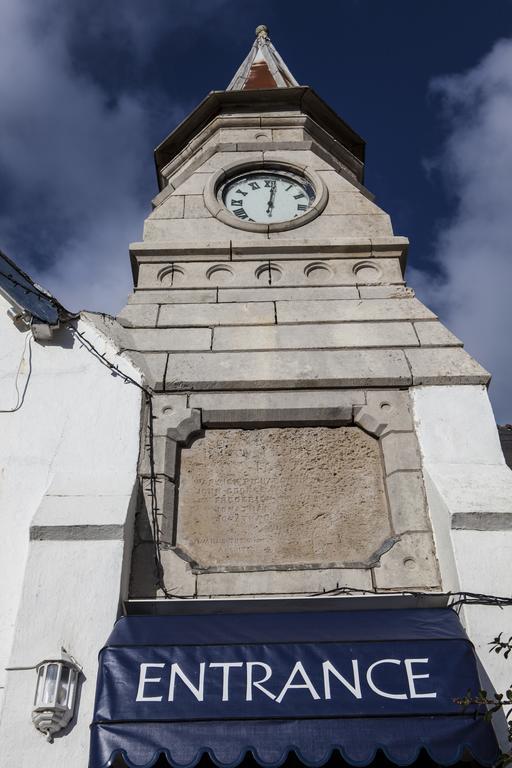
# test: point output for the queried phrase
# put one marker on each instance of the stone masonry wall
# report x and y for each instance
(288, 327)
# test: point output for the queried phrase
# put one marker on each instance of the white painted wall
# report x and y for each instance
(68, 461)
(469, 490)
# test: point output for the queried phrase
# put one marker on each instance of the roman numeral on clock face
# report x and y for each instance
(236, 202)
(254, 185)
(268, 182)
(302, 207)
(301, 194)
(240, 192)
(240, 213)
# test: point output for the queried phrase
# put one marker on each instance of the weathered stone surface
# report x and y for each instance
(179, 579)
(164, 457)
(445, 366)
(152, 365)
(384, 411)
(293, 369)
(400, 450)
(179, 425)
(287, 294)
(165, 499)
(286, 273)
(406, 497)
(164, 407)
(316, 408)
(385, 292)
(320, 336)
(168, 339)
(350, 202)
(194, 185)
(171, 208)
(282, 496)
(195, 207)
(171, 296)
(341, 311)
(268, 582)
(435, 334)
(138, 316)
(410, 564)
(358, 225)
(255, 313)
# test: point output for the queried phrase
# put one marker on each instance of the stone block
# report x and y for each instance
(168, 340)
(269, 582)
(254, 133)
(171, 296)
(195, 207)
(225, 159)
(165, 500)
(288, 134)
(342, 203)
(167, 250)
(171, 208)
(342, 311)
(347, 225)
(152, 366)
(138, 316)
(189, 229)
(280, 496)
(385, 411)
(322, 336)
(410, 564)
(385, 292)
(407, 505)
(435, 334)
(193, 185)
(179, 425)
(400, 451)
(445, 366)
(165, 405)
(178, 576)
(294, 369)
(334, 247)
(164, 456)
(298, 154)
(336, 183)
(256, 313)
(287, 294)
(295, 407)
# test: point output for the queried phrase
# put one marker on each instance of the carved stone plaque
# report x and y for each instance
(281, 496)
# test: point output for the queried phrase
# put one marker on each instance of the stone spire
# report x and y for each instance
(263, 67)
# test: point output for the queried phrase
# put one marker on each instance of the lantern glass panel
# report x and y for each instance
(40, 685)
(62, 695)
(50, 684)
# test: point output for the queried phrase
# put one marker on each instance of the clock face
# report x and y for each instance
(267, 197)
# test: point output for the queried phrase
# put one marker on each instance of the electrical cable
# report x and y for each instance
(457, 598)
(20, 397)
(148, 395)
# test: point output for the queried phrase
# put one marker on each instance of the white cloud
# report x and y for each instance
(76, 163)
(474, 249)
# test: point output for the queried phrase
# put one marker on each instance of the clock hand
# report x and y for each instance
(271, 199)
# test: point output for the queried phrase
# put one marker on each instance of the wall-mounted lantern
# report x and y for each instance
(54, 700)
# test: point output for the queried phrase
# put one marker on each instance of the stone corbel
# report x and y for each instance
(385, 411)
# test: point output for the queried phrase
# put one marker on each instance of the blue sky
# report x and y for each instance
(88, 89)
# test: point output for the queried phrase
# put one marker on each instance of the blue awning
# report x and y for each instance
(352, 682)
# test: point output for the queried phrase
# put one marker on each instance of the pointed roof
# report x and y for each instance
(262, 68)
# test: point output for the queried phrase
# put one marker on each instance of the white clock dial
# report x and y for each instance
(268, 197)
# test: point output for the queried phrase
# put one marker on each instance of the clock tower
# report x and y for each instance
(307, 408)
